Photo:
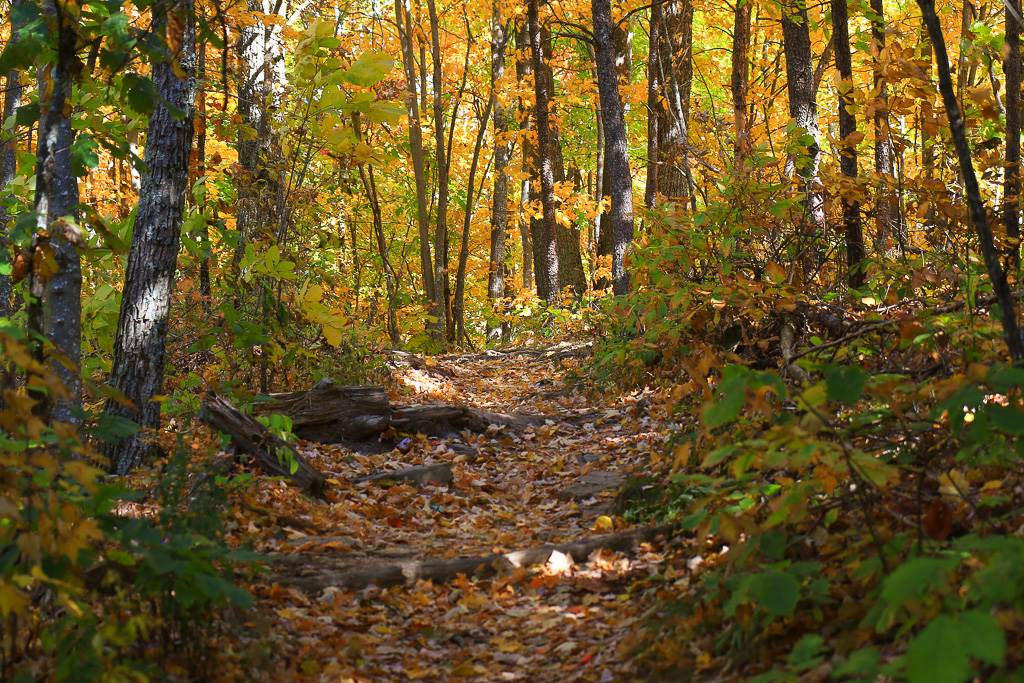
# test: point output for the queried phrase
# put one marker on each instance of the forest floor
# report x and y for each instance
(513, 490)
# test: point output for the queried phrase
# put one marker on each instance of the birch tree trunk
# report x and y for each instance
(139, 346)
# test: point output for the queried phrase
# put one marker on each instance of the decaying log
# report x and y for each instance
(251, 437)
(421, 475)
(430, 419)
(329, 413)
(411, 572)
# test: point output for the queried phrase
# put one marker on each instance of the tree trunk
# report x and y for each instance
(653, 96)
(13, 91)
(460, 277)
(853, 232)
(139, 347)
(886, 203)
(499, 200)
(804, 109)
(390, 277)
(1011, 181)
(55, 284)
(617, 162)
(405, 32)
(674, 52)
(548, 245)
(204, 237)
(1007, 311)
(443, 179)
(740, 79)
(524, 68)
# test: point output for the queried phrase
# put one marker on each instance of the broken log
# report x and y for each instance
(421, 475)
(443, 571)
(329, 413)
(269, 451)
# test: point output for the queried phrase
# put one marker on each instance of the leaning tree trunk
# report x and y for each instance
(499, 200)
(1011, 181)
(853, 231)
(139, 346)
(549, 246)
(1007, 311)
(804, 109)
(620, 215)
(55, 307)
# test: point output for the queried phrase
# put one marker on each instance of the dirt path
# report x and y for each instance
(511, 491)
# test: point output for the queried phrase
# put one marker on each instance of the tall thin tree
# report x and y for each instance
(548, 270)
(139, 346)
(853, 231)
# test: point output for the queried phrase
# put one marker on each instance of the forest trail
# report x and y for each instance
(550, 484)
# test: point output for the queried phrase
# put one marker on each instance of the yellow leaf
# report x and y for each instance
(11, 600)
(332, 335)
(604, 523)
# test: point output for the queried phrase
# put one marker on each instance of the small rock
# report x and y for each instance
(589, 485)
(440, 473)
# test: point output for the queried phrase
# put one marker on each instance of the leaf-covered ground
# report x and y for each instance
(511, 491)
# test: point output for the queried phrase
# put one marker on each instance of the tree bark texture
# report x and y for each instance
(674, 52)
(1011, 180)
(653, 107)
(740, 79)
(886, 203)
(13, 92)
(804, 109)
(620, 214)
(443, 178)
(524, 68)
(139, 346)
(405, 33)
(499, 200)
(1007, 311)
(548, 245)
(853, 231)
(55, 281)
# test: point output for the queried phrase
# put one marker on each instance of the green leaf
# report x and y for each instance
(845, 384)
(141, 93)
(938, 654)
(83, 155)
(369, 69)
(916, 576)
(805, 652)
(777, 593)
(982, 636)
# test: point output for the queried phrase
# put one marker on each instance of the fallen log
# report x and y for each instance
(328, 413)
(447, 570)
(275, 456)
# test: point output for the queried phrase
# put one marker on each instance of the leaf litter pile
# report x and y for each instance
(553, 484)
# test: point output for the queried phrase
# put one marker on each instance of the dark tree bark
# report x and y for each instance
(1011, 181)
(620, 215)
(13, 92)
(139, 347)
(390, 276)
(405, 32)
(653, 95)
(204, 236)
(886, 203)
(740, 78)
(1007, 311)
(853, 231)
(55, 281)
(460, 277)
(675, 68)
(803, 108)
(549, 244)
(499, 200)
(524, 68)
(443, 178)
